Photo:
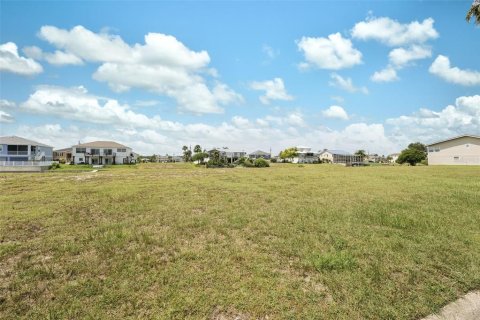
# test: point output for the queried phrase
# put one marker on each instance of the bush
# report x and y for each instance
(261, 163)
(54, 166)
(248, 164)
(273, 160)
(424, 162)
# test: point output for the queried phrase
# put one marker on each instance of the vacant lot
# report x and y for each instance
(285, 242)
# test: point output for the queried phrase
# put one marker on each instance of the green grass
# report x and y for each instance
(172, 241)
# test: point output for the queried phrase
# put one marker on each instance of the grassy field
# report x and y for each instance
(285, 242)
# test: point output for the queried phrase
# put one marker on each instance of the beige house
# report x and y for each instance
(462, 150)
(102, 152)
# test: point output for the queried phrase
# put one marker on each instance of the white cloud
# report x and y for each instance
(428, 125)
(388, 74)
(394, 33)
(274, 90)
(58, 58)
(162, 65)
(401, 57)
(146, 103)
(240, 122)
(346, 84)
(77, 104)
(10, 61)
(5, 117)
(334, 52)
(441, 68)
(335, 112)
(6, 104)
(269, 52)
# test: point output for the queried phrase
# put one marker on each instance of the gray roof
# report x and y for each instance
(63, 150)
(100, 144)
(454, 138)
(339, 152)
(260, 153)
(21, 141)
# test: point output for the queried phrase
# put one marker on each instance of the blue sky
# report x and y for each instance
(249, 75)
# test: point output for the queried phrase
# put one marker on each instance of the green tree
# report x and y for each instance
(412, 156)
(199, 156)
(289, 153)
(187, 154)
(361, 153)
(197, 149)
(474, 12)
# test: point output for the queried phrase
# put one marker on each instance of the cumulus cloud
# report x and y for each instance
(388, 74)
(394, 33)
(333, 52)
(335, 112)
(77, 104)
(429, 125)
(162, 65)
(58, 58)
(274, 90)
(345, 84)
(441, 68)
(401, 57)
(11, 61)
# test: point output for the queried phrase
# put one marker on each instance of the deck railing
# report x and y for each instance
(25, 163)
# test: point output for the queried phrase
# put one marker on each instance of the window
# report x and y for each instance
(430, 149)
(1, 148)
(121, 150)
(467, 145)
(94, 152)
(80, 159)
(456, 158)
(437, 149)
(107, 152)
(81, 150)
(17, 150)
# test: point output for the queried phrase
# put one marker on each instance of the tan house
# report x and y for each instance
(63, 155)
(462, 150)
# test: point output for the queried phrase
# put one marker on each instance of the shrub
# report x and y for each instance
(54, 166)
(273, 160)
(261, 163)
(248, 164)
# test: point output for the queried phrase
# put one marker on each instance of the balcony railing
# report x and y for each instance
(25, 163)
(17, 153)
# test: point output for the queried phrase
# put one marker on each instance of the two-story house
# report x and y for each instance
(102, 152)
(16, 149)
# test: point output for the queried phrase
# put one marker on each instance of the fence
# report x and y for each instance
(25, 163)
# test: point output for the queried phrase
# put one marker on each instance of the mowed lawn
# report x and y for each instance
(285, 242)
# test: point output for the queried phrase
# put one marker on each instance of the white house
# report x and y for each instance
(393, 157)
(102, 152)
(305, 155)
(461, 150)
(339, 156)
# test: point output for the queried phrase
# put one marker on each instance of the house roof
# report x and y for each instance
(63, 150)
(100, 144)
(259, 153)
(21, 141)
(454, 138)
(339, 152)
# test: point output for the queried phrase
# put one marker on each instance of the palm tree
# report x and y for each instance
(474, 12)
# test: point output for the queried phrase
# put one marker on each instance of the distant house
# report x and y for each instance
(339, 156)
(229, 156)
(461, 150)
(259, 154)
(305, 155)
(102, 152)
(393, 157)
(63, 155)
(13, 148)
